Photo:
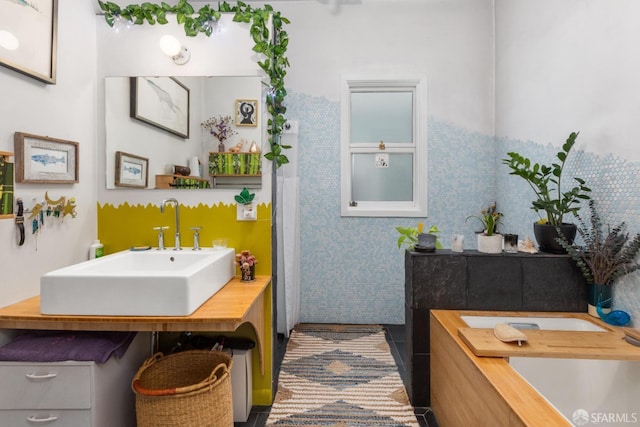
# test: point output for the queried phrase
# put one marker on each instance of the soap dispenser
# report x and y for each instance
(96, 250)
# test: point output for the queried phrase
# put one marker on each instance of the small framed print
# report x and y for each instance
(246, 112)
(40, 159)
(131, 170)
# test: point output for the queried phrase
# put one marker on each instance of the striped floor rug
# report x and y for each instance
(340, 375)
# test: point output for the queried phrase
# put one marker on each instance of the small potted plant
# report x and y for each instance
(247, 264)
(489, 240)
(546, 182)
(606, 255)
(415, 239)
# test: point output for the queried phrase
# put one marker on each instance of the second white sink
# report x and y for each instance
(145, 283)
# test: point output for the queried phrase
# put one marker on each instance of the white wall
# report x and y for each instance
(449, 41)
(569, 65)
(66, 110)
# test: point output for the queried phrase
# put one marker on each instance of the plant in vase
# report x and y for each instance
(489, 240)
(605, 256)
(546, 182)
(220, 128)
(415, 236)
(247, 263)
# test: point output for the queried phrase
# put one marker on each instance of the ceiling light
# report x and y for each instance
(172, 47)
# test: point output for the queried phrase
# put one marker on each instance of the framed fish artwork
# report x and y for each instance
(162, 102)
(41, 159)
(28, 37)
(131, 170)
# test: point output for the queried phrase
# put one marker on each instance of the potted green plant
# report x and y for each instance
(546, 182)
(606, 255)
(489, 240)
(415, 239)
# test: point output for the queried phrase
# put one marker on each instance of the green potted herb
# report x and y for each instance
(546, 182)
(489, 240)
(606, 255)
(415, 239)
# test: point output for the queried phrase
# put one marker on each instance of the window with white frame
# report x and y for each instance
(383, 147)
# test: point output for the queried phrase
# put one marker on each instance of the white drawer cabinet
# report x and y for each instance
(70, 394)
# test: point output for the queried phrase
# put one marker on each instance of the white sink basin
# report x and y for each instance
(132, 283)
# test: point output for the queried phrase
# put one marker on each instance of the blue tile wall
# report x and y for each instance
(614, 185)
(351, 268)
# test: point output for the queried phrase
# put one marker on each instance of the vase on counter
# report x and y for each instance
(599, 294)
(490, 244)
(248, 273)
(426, 242)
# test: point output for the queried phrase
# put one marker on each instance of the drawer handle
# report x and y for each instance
(47, 376)
(49, 419)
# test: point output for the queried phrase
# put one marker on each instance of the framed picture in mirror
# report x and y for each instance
(131, 170)
(29, 38)
(162, 102)
(246, 112)
(41, 159)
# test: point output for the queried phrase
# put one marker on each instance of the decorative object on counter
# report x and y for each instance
(220, 128)
(235, 164)
(37, 54)
(131, 170)
(6, 185)
(247, 263)
(457, 242)
(172, 115)
(489, 241)
(269, 36)
(607, 255)
(246, 112)
(613, 317)
(411, 236)
(546, 183)
(511, 243)
(527, 246)
(194, 166)
(182, 170)
(40, 159)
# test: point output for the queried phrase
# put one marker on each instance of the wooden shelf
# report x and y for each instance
(181, 182)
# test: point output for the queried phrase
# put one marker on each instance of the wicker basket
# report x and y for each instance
(188, 389)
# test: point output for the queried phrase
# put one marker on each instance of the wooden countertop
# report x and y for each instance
(236, 303)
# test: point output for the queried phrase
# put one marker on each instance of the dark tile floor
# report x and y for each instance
(395, 338)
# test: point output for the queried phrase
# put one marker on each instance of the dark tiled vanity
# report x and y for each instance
(475, 281)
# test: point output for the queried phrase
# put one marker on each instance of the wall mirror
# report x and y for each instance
(155, 122)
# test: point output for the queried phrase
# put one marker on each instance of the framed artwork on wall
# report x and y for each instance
(29, 38)
(246, 112)
(41, 159)
(162, 102)
(131, 170)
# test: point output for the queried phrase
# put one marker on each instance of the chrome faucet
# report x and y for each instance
(164, 203)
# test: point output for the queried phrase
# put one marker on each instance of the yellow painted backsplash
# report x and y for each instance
(122, 227)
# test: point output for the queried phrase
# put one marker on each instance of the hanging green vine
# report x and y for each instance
(273, 47)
